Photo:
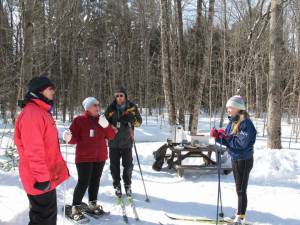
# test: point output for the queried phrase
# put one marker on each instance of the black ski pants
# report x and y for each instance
(115, 155)
(89, 174)
(43, 209)
(241, 172)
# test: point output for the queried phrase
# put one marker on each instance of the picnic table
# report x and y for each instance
(180, 152)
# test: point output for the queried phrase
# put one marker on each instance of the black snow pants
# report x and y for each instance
(241, 172)
(89, 174)
(115, 155)
(43, 209)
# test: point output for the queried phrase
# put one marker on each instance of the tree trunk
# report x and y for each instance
(275, 91)
(258, 86)
(26, 68)
(165, 62)
(203, 63)
(296, 75)
(180, 67)
(224, 66)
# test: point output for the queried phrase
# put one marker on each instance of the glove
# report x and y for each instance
(42, 186)
(67, 136)
(214, 133)
(218, 134)
(222, 134)
(103, 121)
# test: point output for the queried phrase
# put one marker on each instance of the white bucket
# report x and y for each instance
(177, 134)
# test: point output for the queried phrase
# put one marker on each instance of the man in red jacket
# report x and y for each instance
(89, 131)
(42, 167)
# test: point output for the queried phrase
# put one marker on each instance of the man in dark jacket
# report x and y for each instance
(124, 115)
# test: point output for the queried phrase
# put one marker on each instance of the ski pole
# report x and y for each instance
(217, 158)
(221, 214)
(137, 158)
(219, 201)
(65, 184)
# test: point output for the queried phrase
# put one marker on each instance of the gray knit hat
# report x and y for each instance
(236, 102)
(88, 102)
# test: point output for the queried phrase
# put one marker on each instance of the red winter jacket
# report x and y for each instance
(36, 138)
(90, 139)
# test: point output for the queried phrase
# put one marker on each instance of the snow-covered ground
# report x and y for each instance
(274, 186)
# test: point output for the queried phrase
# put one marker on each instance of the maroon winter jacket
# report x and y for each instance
(90, 138)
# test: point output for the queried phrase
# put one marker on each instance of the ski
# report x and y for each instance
(192, 219)
(121, 203)
(132, 204)
(225, 221)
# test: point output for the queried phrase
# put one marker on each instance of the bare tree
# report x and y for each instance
(26, 68)
(165, 61)
(180, 67)
(186, 65)
(275, 75)
(203, 46)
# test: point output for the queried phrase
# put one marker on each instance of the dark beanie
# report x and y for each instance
(121, 90)
(38, 84)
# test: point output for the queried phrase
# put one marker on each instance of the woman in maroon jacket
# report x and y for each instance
(89, 131)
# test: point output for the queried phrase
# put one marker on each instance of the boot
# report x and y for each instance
(77, 214)
(95, 209)
(128, 190)
(118, 191)
(239, 220)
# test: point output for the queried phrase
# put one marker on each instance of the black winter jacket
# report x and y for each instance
(125, 120)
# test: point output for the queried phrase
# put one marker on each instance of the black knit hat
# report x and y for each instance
(121, 89)
(38, 84)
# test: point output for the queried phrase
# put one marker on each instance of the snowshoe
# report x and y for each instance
(94, 210)
(75, 214)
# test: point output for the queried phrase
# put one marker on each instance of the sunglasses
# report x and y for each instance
(96, 105)
(119, 96)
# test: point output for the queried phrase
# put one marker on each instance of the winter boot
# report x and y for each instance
(239, 220)
(95, 209)
(77, 215)
(118, 191)
(128, 190)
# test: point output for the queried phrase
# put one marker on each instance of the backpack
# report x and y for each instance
(159, 156)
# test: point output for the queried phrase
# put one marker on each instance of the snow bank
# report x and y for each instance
(276, 165)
